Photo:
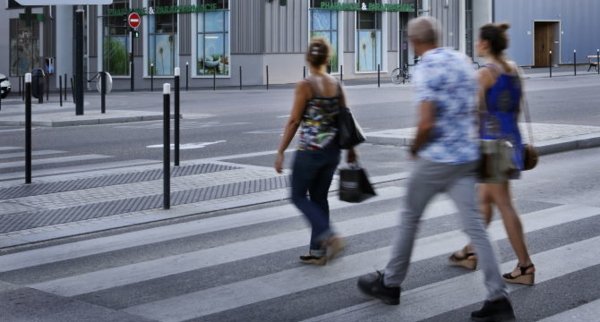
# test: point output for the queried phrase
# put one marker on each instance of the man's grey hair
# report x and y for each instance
(425, 29)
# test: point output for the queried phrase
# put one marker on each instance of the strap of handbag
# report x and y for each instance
(524, 104)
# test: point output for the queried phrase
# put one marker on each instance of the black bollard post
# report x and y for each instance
(103, 92)
(598, 60)
(166, 147)
(304, 72)
(40, 92)
(27, 128)
(240, 77)
(65, 88)
(60, 91)
(550, 57)
(152, 77)
(378, 75)
(214, 79)
(176, 115)
(73, 91)
(267, 77)
(574, 62)
(47, 88)
(341, 73)
(187, 76)
(22, 80)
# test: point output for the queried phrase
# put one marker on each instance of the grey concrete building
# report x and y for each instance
(214, 38)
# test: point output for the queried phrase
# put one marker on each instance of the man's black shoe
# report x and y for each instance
(494, 311)
(372, 285)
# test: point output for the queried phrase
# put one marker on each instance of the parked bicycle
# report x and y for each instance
(401, 75)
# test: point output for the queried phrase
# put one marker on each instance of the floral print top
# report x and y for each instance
(446, 78)
(319, 122)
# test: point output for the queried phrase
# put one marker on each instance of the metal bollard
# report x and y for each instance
(574, 62)
(304, 72)
(166, 147)
(550, 57)
(28, 128)
(341, 73)
(73, 91)
(214, 79)
(240, 77)
(598, 60)
(60, 91)
(267, 77)
(152, 77)
(187, 76)
(103, 92)
(176, 116)
(22, 80)
(378, 75)
(65, 87)
(47, 88)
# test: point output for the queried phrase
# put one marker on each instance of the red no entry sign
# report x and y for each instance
(134, 20)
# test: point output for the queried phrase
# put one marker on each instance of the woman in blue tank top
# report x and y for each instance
(500, 95)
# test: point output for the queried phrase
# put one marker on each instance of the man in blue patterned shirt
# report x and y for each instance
(446, 149)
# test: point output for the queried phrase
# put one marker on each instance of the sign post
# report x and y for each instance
(134, 20)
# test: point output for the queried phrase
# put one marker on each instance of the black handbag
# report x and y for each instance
(350, 134)
(355, 185)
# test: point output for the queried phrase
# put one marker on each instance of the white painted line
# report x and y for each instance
(78, 249)
(586, 312)
(227, 297)
(12, 130)
(33, 153)
(9, 148)
(464, 290)
(74, 158)
(188, 146)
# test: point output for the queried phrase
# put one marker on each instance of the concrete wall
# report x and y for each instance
(578, 23)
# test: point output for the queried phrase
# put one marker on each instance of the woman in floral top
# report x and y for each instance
(316, 105)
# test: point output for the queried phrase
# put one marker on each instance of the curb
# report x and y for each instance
(95, 121)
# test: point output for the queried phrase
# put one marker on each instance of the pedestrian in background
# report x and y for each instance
(317, 100)
(501, 94)
(446, 149)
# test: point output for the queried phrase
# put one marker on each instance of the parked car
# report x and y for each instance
(4, 86)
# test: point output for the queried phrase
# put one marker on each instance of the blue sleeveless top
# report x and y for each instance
(500, 121)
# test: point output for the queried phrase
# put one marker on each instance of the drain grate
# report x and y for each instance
(108, 180)
(22, 221)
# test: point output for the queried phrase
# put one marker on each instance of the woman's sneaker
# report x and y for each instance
(313, 260)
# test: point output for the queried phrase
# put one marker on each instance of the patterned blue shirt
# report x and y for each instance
(447, 78)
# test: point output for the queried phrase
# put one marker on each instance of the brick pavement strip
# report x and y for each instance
(141, 189)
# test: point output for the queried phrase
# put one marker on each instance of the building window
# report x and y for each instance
(24, 46)
(116, 40)
(469, 27)
(213, 39)
(369, 41)
(162, 38)
(324, 24)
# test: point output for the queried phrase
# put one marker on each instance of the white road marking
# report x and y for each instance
(187, 146)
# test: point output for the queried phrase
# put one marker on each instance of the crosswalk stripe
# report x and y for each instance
(586, 312)
(9, 148)
(435, 299)
(271, 286)
(78, 249)
(33, 153)
(84, 157)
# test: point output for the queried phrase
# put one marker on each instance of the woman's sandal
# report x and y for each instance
(523, 276)
(463, 258)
